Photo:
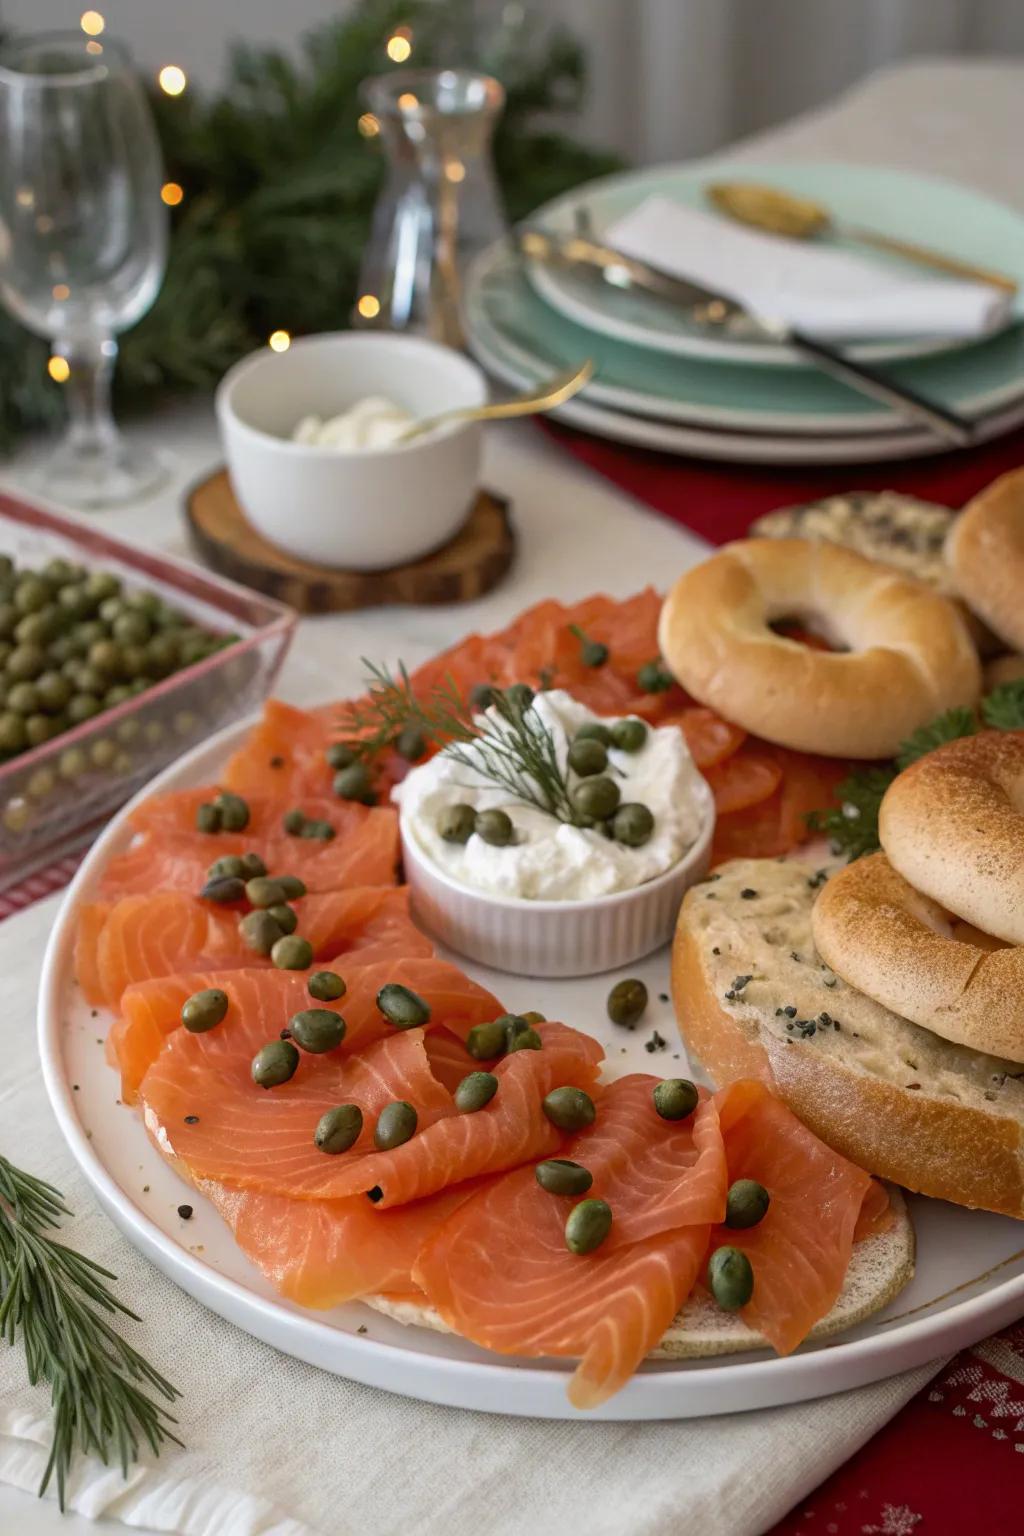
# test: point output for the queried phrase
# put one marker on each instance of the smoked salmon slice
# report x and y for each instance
(151, 1010)
(364, 851)
(800, 1251)
(283, 755)
(140, 937)
(499, 1272)
(321, 1253)
(204, 1111)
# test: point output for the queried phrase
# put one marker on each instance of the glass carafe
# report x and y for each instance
(440, 203)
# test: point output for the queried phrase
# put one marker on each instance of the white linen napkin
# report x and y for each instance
(828, 293)
(274, 1447)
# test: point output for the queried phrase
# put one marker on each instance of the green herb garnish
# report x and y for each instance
(54, 1301)
(852, 826)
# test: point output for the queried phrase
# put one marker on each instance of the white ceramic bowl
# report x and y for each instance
(361, 510)
(556, 938)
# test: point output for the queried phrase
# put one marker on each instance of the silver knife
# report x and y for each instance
(718, 311)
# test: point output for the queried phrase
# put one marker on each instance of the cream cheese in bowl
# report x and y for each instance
(548, 859)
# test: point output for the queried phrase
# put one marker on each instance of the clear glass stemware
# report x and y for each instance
(83, 239)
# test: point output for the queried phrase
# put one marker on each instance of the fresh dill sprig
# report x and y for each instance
(947, 727)
(54, 1301)
(1003, 709)
(391, 706)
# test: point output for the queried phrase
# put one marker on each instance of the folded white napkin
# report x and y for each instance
(828, 293)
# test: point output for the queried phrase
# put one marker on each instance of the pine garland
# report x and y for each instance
(279, 189)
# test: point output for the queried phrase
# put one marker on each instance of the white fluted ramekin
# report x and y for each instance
(556, 938)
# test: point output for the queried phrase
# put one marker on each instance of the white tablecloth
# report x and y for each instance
(277, 1447)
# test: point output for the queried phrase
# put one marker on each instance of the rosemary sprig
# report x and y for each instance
(53, 1300)
(510, 747)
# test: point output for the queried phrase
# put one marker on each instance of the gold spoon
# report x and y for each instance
(543, 397)
(783, 213)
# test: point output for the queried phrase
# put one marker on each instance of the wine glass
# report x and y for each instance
(83, 239)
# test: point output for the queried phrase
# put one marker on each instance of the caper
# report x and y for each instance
(587, 757)
(481, 697)
(596, 798)
(88, 679)
(8, 620)
(746, 1203)
(730, 1278)
(485, 1041)
(292, 886)
(675, 1098)
(457, 823)
(204, 1010)
(133, 660)
(519, 697)
(292, 953)
(627, 1001)
(207, 817)
(31, 594)
(533, 1017)
(83, 706)
(262, 892)
(223, 889)
(396, 1124)
(87, 633)
(25, 662)
(42, 783)
(339, 1128)
(17, 815)
(340, 755)
(629, 735)
(353, 782)
(37, 628)
(230, 867)
(252, 866)
(39, 728)
(106, 657)
(143, 601)
(54, 690)
(411, 743)
(319, 831)
(326, 986)
(526, 1040)
(402, 1007)
(276, 1063)
(653, 678)
(73, 763)
(284, 916)
(101, 584)
(587, 1225)
(592, 652)
(102, 752)
(119, 694)
(24, 699)
(632, 824)
(513, 1024)
(161, 655)
(234, 812)
(110, 609)
(475, 1090)
(73, 602)
(13, 736)
(559, 1176)
(293, 823)
(259, 932)
(317, 1029)
(569, 1108)
(132, 628)
(594, 730)
(495, 828)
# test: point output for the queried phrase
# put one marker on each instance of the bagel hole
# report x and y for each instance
(809, 629)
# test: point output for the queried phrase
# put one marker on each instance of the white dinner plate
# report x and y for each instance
(924, 209)
(969, 1282)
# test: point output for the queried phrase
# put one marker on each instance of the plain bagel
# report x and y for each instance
(953, 825)
(905, 652)
(985, 552)
(912, 956)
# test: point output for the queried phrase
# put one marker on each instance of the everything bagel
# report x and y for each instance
(903, 654)
(909, 954)
(953, 825)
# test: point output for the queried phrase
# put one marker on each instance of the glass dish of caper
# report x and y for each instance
(113, 662)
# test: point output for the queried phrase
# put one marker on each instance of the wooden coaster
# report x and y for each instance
(474, 562)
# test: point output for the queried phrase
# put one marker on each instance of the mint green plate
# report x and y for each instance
(941, 214)
(504, 315)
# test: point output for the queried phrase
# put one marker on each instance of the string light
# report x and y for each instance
(399, 45)
(279, 341)
(61, 291)
(25, 197)
(408, 102)
(454, 170)
(59, 369)
(92, 46)
(171, 194)
(172, 80)
(92, 23)
(369, 306)
(368, 126)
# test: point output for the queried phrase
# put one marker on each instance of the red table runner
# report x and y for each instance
(952, 1460)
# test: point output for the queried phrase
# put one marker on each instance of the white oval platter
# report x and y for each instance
(969, 1281)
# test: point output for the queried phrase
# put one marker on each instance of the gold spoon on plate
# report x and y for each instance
(543, 397)
(801, 218)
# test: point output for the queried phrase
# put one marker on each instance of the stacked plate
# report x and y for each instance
(663, 381)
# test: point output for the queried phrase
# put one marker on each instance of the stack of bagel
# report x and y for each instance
(883, 999)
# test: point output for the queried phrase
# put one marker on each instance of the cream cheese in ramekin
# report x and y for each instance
(549, 859)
